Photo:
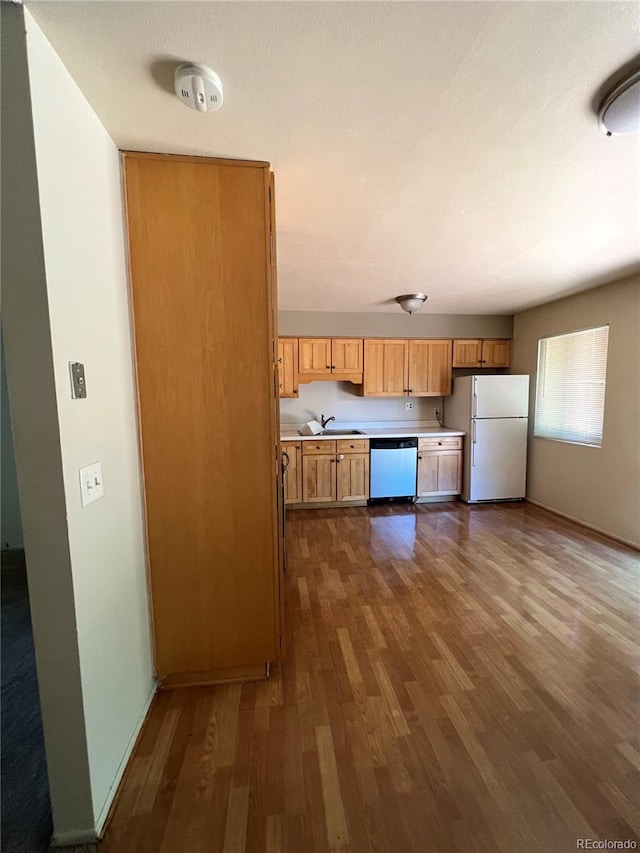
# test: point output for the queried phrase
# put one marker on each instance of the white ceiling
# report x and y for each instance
(445, 147)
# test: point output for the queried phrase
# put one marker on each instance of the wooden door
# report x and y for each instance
(385, 368)
(288, 367)
(352, 476)
(346, 355)
(429, 368)
(318, 478)
(467, 353)
(199, 235)
(496, 353)
(314, 355)
(293, 474)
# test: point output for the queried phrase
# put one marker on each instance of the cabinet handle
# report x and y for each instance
(333, 367)
(410, 390)
(440, 442)
(279, 361)
(419, 457)
(328, 367)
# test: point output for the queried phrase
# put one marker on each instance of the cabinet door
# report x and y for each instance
(496, 353)
(293, 474)
(467, 353)
(385, 368)
(429, 368)
(427, 474)
(197, 227)
(288, 366)
(314, 355)
(352, 472)
(318, 478)
(439, 473)
(346, 355)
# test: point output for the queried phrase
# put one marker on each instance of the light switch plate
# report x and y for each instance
(78, 382)
(91, 485)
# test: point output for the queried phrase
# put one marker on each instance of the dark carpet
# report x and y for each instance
(25, 806)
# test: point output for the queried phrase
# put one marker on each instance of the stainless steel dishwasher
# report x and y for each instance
(394, 464)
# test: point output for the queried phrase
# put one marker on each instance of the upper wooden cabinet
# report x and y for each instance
(314, 356)
(346, 355)
(197, 227)
(481, 352)
(386, 365)
(395, 368)
(496, 353)
(429, 368)
(338, 359)
(288, 367)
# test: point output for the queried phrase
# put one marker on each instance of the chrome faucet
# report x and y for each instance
(326, 421)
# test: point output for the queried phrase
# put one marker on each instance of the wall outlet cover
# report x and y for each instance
(91, 485)
(408, 405)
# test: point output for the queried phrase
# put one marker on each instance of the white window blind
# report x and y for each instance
(571, 380)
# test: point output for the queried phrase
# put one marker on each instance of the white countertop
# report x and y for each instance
(389, 430)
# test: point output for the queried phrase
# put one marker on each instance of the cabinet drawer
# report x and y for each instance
(318, 447)
(441, 443)
(291, 445)
(353, 445)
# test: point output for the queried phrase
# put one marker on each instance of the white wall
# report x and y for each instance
(341, 400)
(598, 486)
(83, 235)
(67, 300)
(29, 364)
(11, 530)
(396, 324)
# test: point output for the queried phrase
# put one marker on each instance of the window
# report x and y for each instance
(570, 387)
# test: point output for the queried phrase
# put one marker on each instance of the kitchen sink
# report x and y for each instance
(341, 432)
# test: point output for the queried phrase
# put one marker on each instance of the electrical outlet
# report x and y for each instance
(408, 405)
(91, 486)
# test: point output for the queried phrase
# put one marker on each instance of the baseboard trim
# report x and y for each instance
(73, 839)
(251, 672)
(605, 533)
(112, 796)
(326, 505)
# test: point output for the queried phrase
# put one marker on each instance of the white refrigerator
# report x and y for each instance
(493, 412)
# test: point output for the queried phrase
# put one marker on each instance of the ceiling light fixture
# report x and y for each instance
(411, 302)
(619, 113)
(198, 87)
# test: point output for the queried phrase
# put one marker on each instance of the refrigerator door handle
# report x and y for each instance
(473, 445)
(474, 402)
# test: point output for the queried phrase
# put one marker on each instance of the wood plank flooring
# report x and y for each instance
(457, 679)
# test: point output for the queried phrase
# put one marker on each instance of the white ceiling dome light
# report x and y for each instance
(198, 87)
(619, 113)
(411, 302)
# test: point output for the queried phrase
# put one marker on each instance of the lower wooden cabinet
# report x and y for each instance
(439, 467)
(352, 476)
(318, 478)
(335, 471)
(293, 472)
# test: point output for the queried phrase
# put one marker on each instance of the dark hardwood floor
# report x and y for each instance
(457, 679)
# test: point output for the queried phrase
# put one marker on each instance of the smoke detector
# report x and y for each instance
(198, 87)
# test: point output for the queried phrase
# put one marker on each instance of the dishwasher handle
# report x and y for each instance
(393, 443)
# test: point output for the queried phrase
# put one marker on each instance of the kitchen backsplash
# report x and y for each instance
(341, 400)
